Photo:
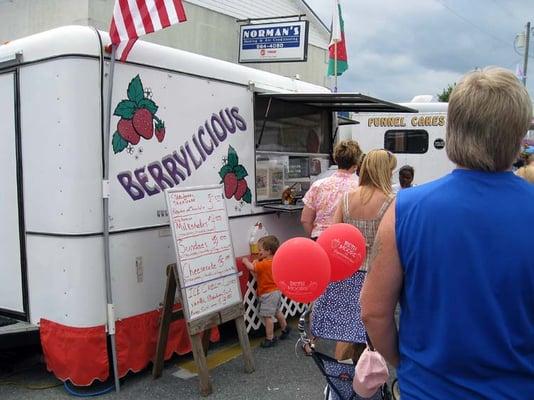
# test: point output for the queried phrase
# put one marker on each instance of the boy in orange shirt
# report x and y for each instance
(269, 296)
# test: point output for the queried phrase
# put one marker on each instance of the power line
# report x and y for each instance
(506, 10)
(472, 24)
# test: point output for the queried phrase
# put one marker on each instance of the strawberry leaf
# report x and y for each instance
(240, 171)
(119, 144)
(149, 105)
(233, 160)
(135, 90)
(247, 197)
(224, 170)
(125, 109)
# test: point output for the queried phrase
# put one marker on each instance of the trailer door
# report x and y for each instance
(12, 277)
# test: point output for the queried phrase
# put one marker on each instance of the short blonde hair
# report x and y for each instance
(269, 243)
(377, 168)
(347, 153)
(527, 173)
(489, 114)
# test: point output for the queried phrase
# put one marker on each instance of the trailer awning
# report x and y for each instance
(279, 106)
(353, 102)
(342, 121)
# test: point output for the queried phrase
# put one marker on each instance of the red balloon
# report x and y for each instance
(301, 269)
(345, 246)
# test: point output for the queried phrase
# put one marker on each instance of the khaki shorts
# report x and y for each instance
(270, 303)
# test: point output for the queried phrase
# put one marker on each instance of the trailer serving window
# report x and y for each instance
(412, 141)
(288, 141)
(294, 135)
(298, 128)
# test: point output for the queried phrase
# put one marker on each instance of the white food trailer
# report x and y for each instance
(179, 120)
(416, 139)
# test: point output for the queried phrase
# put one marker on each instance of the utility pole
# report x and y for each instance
(525, 60)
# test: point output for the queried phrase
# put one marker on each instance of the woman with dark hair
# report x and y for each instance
(321, 199)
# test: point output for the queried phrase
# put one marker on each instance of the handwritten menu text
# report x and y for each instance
(203, 247)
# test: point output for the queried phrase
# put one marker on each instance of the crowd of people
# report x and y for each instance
(454, 253)
(449, 252)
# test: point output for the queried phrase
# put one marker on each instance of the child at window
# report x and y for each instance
(406, 175)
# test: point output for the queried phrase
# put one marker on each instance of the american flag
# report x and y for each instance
(134, 18)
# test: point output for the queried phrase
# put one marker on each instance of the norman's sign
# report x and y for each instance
(276, 42)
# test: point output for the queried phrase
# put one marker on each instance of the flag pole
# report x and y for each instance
(105, 190)
(335, 67)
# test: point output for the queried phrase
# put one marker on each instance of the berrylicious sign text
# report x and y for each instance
(139, 122)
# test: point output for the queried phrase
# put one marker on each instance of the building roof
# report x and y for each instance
(319, 34)
(83, 40)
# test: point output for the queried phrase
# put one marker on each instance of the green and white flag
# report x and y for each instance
(337, 49)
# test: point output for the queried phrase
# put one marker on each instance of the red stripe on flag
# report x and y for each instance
(162, 12)
(178, 5)
(123, 16)
(113, 33)
(145, 16)
(128, 20)
(124, 55)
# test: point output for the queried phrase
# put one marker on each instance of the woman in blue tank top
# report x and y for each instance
(456, 254)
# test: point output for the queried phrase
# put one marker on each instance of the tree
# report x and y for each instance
(444, 95)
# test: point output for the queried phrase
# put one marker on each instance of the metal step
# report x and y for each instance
(17, 327)
(15, 333)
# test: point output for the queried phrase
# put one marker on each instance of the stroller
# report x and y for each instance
(338, 375)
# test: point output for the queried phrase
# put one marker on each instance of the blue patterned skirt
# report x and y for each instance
(336, 313)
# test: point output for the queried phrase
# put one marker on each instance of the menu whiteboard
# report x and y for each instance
(207, 271)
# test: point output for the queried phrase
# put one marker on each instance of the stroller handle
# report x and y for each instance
(308, 347)
(304, 342)
(302, 322)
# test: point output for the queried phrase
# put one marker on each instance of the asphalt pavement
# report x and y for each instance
(279, 374)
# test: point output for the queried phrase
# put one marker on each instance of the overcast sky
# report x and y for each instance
(399, 49)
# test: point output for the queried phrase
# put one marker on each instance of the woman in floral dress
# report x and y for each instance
(321, 199)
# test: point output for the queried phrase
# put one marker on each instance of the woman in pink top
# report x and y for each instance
(321, 200)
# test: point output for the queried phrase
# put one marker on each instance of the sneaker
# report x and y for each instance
(268, 343)
(285, 333)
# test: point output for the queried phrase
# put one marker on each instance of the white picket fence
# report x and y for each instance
(253, 320)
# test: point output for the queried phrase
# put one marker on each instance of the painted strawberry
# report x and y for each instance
(241, 189)
(230, 185)
(232, 175)
(160, 131)
(126, 130)
(137, 116)
(143, 124)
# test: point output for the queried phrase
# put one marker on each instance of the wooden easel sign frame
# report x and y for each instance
(206, 274)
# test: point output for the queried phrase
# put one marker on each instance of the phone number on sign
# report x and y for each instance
(270, 46)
